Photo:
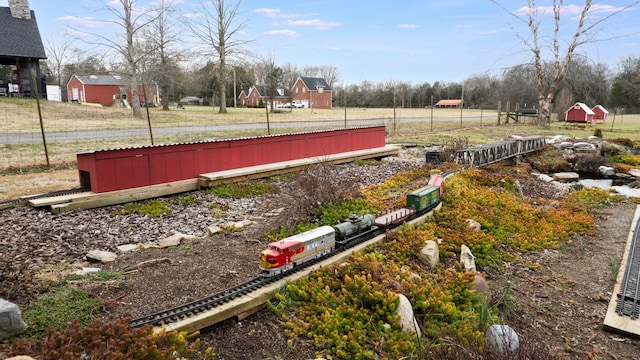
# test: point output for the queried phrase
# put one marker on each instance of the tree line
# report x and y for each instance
(149, 47)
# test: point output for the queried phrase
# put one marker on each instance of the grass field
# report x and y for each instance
(420, 126)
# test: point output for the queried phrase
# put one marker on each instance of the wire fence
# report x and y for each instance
(69, 128)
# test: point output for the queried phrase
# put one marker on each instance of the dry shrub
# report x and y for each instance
(314, 187)
(548, 160)
(589, 163)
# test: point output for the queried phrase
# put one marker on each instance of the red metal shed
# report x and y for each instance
(579, 112)
(117, 169)
(600, 113)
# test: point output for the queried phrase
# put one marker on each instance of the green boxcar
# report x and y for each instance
(423, 198)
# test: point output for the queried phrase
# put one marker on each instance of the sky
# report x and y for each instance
(379, 41)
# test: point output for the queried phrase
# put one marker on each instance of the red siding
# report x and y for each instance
(126, 168)
(578, 114)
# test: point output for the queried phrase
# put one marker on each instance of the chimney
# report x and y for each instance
(20, 9)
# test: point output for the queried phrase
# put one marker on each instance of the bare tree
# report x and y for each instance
(56, 55)
(162, 36)
(132, 19)
(218, 29)
(328, 72)
(585, 32)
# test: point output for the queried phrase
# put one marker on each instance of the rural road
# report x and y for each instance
(88, 135)
(85, 135)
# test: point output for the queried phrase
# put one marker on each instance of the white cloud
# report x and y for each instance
(283, 32)
(192, 15)
(267, 12)
(315, 23)
(487, 32)
(408, 26)
(87, 22)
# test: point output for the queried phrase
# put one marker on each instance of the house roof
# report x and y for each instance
(20, 37)
(315, 83)
(262, 91)
(103, 80)
(452, 102)
(604, 111)
(582, 106)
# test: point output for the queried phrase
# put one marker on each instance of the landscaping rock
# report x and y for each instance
(473, 225)
(430, 254)
(564, 177)
(467, 259)
(86, 271)
(606, 171)
(408, 321)
(128, 247)
(101, 256)
(481, 287)
(503, 338)
(214, 229)
(11, 322)
(173, 240)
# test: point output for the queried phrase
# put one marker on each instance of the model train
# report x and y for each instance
(285, 254)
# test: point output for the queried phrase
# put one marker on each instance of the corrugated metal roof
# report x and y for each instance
(452, 102)
(20, 37)
(103, 80)
(223, 140)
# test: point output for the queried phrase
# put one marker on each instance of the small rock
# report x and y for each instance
(11, 322)
(566, 176)
(481, 287)
(606, 171)
(173, 240)
(86, 271)
(408, 321)
(127, 248)
(503, 338)
(467, 259)
(473, 225)
(430, 254)
(20, 357)
(102, 256)
(214, 229)
(239, 225)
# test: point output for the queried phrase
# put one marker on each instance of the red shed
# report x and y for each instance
(117, 169)
(579, 112)
(106, 90)
(600, 113)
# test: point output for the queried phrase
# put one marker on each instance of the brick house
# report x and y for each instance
(243, 98)
(21, 48)
(258, 93)
(106, 90)
(312, 92)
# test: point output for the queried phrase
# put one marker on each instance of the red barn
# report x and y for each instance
(579, 112)
(107, 90)
(312, 92)
(600, 113)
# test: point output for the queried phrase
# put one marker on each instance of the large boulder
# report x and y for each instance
(11, 322)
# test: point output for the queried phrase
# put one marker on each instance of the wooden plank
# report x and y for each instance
(613, 321)
(262, 171)
(58, 199)
(124, 196)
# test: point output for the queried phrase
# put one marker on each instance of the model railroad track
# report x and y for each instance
(628, 298)
(196, 307)
(23, 200)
